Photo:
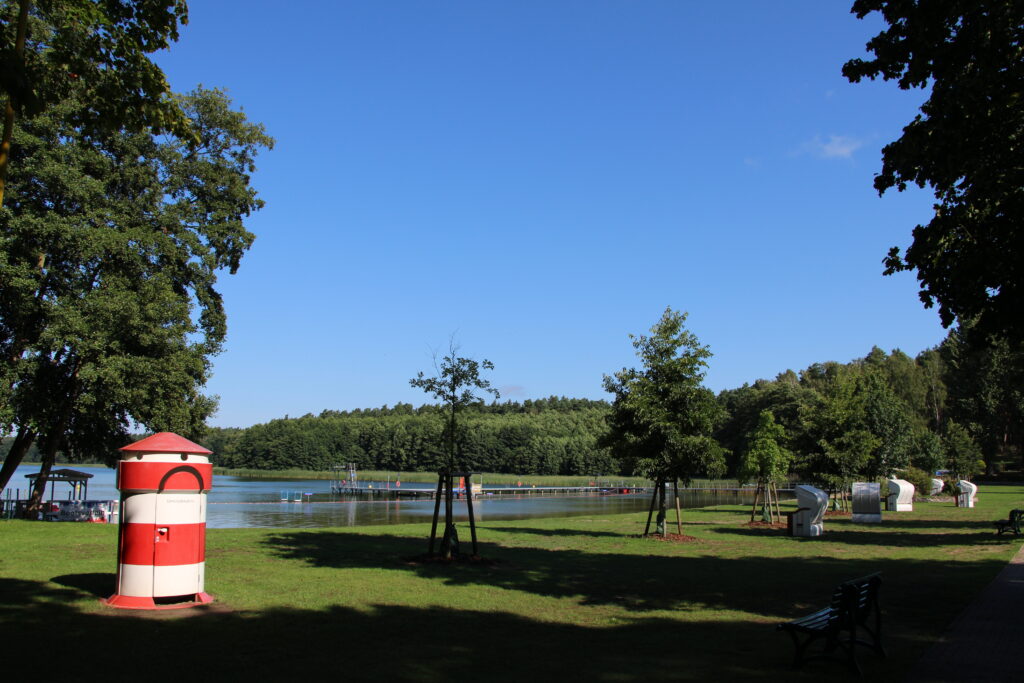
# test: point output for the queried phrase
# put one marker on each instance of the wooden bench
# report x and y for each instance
(854, 607)
(1011, 524)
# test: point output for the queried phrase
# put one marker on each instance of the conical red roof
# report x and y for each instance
(166, 442)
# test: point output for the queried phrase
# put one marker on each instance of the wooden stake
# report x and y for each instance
(449, 496)
(661, 507)
(757, 492)
(437, 511)
(778, 508)
(650, 513)
(469, 504)
(679, 512)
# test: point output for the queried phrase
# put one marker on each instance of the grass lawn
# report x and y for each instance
(576, 598)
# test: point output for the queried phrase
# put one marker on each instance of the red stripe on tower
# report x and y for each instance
(170, 544)
(161, 476)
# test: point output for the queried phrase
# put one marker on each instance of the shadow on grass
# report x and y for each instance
(776, 587)
(400, 643)
(854, 536)
(99, 585)
(702, 615)
(552, 532)
(899, 521)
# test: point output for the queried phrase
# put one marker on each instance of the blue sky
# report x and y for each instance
(542, 178)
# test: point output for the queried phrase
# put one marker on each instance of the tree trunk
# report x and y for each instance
(54, 441)
(35, 502)
(650, 512)
(22, 443)
(662, 514)
(450, 541)
(1005, 450)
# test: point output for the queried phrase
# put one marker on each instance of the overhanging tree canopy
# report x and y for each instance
(97, 49)
(967, 145)
(110, 246)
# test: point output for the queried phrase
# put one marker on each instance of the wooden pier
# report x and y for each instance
(691, 497)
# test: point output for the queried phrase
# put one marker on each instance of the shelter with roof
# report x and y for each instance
(79, 482)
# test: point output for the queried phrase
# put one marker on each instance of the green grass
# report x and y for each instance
(577, 598)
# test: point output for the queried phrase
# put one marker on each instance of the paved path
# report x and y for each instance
(986, 642)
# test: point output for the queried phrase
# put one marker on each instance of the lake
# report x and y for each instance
(235, 502)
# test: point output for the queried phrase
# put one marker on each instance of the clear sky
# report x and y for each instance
(542, 178)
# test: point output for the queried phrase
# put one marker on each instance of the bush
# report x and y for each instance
(921, 480)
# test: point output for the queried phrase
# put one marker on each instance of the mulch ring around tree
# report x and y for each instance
(673, 538)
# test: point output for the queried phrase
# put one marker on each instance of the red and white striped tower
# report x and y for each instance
(163, 481)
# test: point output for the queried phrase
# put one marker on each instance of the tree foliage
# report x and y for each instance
(455, 385)
(766, 459)
(966, 145)
(986, 392)
(95, 50)
(872, 416)
(110, 248)
(963, 457)
(662, 417)
(545, 436)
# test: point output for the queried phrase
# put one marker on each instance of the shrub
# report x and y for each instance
(921, 480)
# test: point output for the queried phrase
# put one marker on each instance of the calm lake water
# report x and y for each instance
(236, 503)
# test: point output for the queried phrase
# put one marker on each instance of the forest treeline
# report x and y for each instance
(547, 436)
(957, 407)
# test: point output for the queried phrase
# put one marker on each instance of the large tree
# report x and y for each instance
(789, 402)
(963, 457)
(97, 49)
(887, 418)
(663, 418)
(986, 393)
(967, 145)
(110, 248)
